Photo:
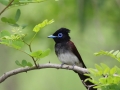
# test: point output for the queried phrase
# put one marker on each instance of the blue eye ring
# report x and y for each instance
(60, 35)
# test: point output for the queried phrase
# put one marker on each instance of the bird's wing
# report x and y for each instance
(75, 51)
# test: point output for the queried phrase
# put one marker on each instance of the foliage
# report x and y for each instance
(40, 54)
(16, 38)
(41, 25)
(103, 76)
(20, 2)
(112, 53)
(12, 21)
(23, 63)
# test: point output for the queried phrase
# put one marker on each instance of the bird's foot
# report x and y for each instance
(61, 65)
(73, 66)
(70, 68)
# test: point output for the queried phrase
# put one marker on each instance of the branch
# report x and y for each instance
(6, 7)
(41, 66)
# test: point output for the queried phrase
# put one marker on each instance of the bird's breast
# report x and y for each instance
(69, 58)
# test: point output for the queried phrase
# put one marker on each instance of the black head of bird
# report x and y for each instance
(61, 35)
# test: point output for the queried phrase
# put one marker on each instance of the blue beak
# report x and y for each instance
(51, 36)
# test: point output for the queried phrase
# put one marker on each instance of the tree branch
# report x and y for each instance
(6, 7)
(41, 66)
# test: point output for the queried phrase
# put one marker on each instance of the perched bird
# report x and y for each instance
(68, 54)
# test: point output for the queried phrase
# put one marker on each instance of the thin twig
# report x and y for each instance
(25, 43)
(34, 62)
(32, 57)
(29, 45)
(33, 38)
(6, 7)
(41, 66)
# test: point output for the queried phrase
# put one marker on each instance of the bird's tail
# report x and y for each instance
(89, 85)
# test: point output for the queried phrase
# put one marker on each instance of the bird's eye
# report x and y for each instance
(60, 35)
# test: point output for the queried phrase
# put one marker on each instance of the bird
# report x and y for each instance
(67, 53)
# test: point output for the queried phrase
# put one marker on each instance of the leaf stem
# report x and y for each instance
(25, 43)
(29, 45)
(33, 38)
(6, 7)
(30, 56)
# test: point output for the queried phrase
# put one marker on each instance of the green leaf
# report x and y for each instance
(118, 55)
(4, 19)
(99, 53)
(5, 42)
(113, 70)
(102, 80)
(29, 64)
(98, 86)
(4, 2)
(98, 67)
(4, 33)
(24, 26)
(96, 54)
(8, 20)
(36, 28)
(105, 53)
(17, 16)
(41, 25)
(36, 54)
(51, 21)
(15, 25)
(11, 21)
(116, 80)
(92, 71)
(18, 63)
(109, 80)
(24, 63)
(45, 53)
(104, 65)
(111, 51)
(116, 52)
(99, 73)
(91, 80)
(17, 44)
(16, 1)
(40, 54)
(106, 71)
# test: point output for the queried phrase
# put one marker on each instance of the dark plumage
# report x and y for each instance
(68, 53)
(65, 36)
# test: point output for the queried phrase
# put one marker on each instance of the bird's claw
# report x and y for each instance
(73, 67)
(62, 65)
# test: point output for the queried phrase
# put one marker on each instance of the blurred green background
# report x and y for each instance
(94, 26)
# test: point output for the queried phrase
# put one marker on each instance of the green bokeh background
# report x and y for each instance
(94, 26)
